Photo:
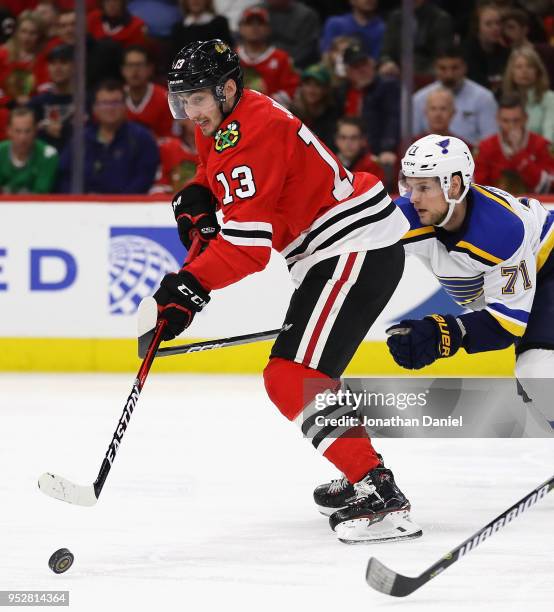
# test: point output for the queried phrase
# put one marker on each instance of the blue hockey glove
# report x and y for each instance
(415, 343)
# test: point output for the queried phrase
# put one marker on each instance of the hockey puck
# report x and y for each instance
(61, 561)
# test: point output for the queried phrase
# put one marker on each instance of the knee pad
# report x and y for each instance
(285, 383)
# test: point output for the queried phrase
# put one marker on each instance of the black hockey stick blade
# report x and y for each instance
(146, 323)
(385, 580)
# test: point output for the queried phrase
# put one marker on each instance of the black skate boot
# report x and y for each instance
(380, 512)
(335, 495)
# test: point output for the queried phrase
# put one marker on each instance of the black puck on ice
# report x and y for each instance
(61, 561)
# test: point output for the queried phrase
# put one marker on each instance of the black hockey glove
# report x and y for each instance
(415, 343)
(179, 298)
(194, 208)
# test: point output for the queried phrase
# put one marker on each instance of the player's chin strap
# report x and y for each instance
(451, 203)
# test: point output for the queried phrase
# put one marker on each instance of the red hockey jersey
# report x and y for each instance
(152, 111)
(133, 32)
(533, 165)
(276, 70)
(279, 186)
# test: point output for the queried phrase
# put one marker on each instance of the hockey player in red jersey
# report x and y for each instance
(279, 187)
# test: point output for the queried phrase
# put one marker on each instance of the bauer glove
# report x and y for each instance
(415, 343)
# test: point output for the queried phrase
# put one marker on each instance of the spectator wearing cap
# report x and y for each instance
(146, 101)
(53, 107)
(295, 29)
(440, 109)
(113, 20)
(314, 103)
(272, 66)
(362, 23)
(352, 150)
(375, 99)
(27, 165)
(121, 156)
(233, 10)
(433, 30)
(475, 105)
(200, 22)
(514, 158)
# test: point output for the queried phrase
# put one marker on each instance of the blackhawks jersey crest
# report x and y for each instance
(228, 137)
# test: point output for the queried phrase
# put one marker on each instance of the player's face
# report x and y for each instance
(202, 108)
(450, 71)
(428, 199)
(21, 132)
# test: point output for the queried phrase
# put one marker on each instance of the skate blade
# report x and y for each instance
(392, 527)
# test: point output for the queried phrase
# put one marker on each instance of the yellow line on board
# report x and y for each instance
(120, 355)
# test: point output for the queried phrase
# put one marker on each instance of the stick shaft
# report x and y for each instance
(129, 407)
(137, 388)
(208, 345)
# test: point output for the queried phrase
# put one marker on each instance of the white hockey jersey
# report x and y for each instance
(492, 261)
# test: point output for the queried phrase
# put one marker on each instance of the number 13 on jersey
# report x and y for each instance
(246, 187)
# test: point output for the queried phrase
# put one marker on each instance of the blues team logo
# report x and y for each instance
(444, 144)
(139, 258)
(227, 138)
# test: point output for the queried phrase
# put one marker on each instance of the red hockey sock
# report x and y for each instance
(286, 386)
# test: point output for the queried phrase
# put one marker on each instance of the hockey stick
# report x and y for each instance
(87, 495)
(383, 579)
(196, 347)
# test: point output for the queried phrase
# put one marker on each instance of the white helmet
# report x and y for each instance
(441, 157)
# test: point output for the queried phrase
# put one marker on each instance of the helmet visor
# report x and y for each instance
(191, 104)
(429, 185)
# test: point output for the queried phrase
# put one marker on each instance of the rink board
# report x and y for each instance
(72, 272)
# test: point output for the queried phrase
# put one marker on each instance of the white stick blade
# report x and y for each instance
(379, 576)
(146, 322)
(64, 490)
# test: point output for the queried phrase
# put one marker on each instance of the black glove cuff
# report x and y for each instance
(187, 289)
(193, 200)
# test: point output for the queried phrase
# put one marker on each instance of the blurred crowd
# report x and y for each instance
(483, 72)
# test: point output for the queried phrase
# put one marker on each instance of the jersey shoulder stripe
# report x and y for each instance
(511, 319)
(494, 231)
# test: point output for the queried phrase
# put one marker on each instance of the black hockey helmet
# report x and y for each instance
(201, 65)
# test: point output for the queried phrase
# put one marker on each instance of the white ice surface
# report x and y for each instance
(208, 506)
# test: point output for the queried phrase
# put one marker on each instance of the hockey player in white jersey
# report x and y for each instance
(493, 254)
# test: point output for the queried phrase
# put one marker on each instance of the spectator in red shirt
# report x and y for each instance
(352, 149)
(515, 159)
(273, 66)
(146, 102)
(114, 21)
(22, 65)
(177, 166)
